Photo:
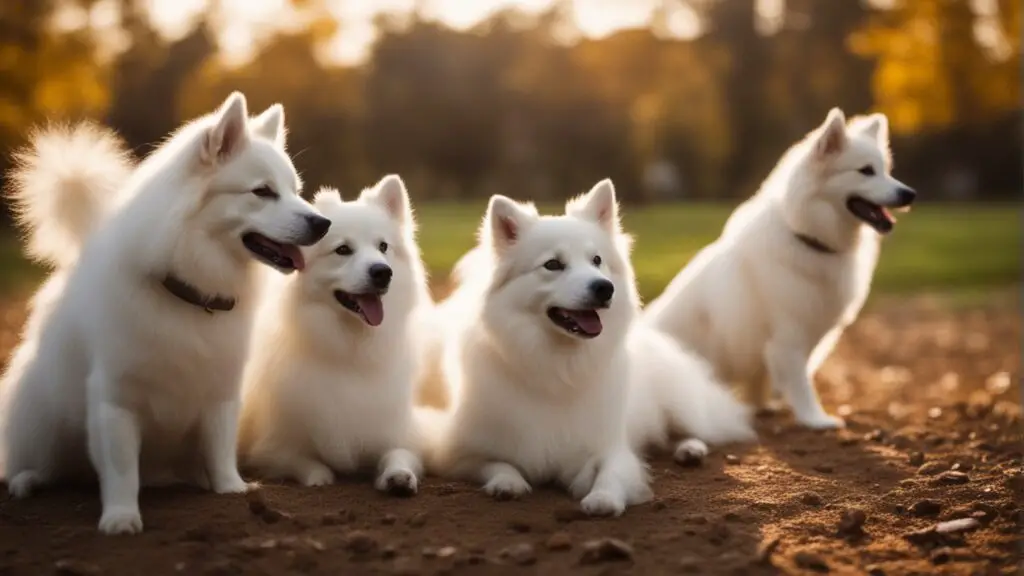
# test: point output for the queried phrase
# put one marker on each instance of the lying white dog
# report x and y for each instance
(133, 355)
(330, 381)
(536, 356)
(792, 268)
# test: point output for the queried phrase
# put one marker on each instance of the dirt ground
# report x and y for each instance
(931, 396)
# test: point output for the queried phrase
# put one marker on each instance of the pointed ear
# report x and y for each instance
(390, 194)
(270, 124)
(599, 206)
(831, 135)
(506, 220)
(230, 132)
(875, 126)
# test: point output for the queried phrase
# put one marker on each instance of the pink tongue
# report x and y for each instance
(294, 254)
(372, 307)
(587, 320)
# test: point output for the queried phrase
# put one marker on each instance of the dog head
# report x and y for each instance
(253, 192)
(566, 278)
(367, 265)
(854, 165)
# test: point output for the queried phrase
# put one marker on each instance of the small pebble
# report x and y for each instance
(852, 522)
(916, 458)
(810, 498)
(519, 526)
(388, 519)
(926, 507)
(559, 541)
(931, 468)
(810, 561)
(606, 550)
(418, 520)
(954, 526)
(952, 478)
(874, 570)
(360, 542)
(522, 554)
(732, 459)
(823, 468)
(940, 555)
(446, 552)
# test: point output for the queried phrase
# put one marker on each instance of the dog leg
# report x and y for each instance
(504, 482)
(218, 440)
(399, 470)
(787, 368)
(114, 444)
(621, 480)
(690, 452)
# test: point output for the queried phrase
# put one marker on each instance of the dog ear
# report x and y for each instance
(270, 125)
(229, 134)
(875, 126)
(506, 220)
(831, 135)
(391, 194)
(599, 205)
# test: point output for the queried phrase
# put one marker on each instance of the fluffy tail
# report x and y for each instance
(63, 184)
(684, 388)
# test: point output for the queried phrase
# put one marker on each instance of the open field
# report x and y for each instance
(928, 384)
(968, 247)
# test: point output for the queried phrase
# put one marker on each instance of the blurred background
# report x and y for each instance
(686, 104)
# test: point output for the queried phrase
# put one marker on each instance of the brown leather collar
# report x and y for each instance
(191, 295)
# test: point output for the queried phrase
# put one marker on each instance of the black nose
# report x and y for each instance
(318, 226)
(380, 276)
(905, 196)
(602, 291)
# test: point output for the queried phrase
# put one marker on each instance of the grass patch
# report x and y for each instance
(950, 248)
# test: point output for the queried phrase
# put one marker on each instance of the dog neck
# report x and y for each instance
(191, 295)
(813, 243)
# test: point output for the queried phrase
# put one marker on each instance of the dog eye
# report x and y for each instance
(597, 260)
(554, 265)
(343, 250)
(264, 192)
(383, 247)
(868, 170)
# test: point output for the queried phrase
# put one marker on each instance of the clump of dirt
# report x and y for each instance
(926, 479)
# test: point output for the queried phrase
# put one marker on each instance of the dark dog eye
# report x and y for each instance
(343, 250)
(554, 265)
(383, 247)
(868, 170)
(264, 192)
(597, 260)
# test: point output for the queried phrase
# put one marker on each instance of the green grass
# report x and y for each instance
(960, 249)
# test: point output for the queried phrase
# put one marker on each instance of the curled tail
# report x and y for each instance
(63, 184)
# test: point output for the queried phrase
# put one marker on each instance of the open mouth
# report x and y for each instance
(369, 307)
(872, 214)
(582, 323)
(284, 257)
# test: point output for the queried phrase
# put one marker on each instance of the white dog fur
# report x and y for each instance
(767, 301)
(115, 370)
(329, 388)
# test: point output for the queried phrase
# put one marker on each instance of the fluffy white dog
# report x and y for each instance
(535, 355)
(330, 382)
(133, 355)
(792, 268)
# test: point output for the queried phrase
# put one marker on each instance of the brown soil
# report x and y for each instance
(933, 404)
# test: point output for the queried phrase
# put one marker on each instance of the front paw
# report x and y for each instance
(317, 475)
(507, 487)
(690, 452)
(397, 482)
(822, 421)
(601, 503)
(230, 484)
(121, 520)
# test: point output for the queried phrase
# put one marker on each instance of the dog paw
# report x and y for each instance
(507, 487)
(318, 475)
(23, 483)
(600, 503)
(231, 485)
(397, 483)
(121, 520)
(822, 422)
(690, 452)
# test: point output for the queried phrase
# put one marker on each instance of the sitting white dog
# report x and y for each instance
(133, 355)
(329, 384)
(792, 268)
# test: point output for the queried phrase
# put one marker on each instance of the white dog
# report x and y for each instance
(536, 356)
(793, 266)
(133, 355)
(329, 384)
